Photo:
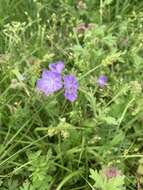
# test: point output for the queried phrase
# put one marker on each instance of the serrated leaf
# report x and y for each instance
(98, 179)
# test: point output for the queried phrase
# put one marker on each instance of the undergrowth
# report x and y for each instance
(48, 143)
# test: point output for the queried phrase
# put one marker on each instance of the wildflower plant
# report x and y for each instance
(110, 178)
(51, 81)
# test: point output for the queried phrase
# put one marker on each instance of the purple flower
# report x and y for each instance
(81, 27)
(71, 86)
(111, 172)
(57, 67)
(49, 83)
(102, 81)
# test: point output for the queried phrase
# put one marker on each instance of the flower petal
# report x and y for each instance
(71, 86)
(57, 67)
(49, 83)
(70, 96)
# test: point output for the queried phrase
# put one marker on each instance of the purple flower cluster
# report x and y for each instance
(51, 81)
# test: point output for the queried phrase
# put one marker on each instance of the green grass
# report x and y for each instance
(48, 143)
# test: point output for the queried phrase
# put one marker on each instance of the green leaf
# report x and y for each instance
(111, 120)
(108, 2)
(117, 139)
(140, 169)
(98, 179)
(115, 183)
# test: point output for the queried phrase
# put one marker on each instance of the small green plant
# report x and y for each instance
(104, 180)
(41, 170)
